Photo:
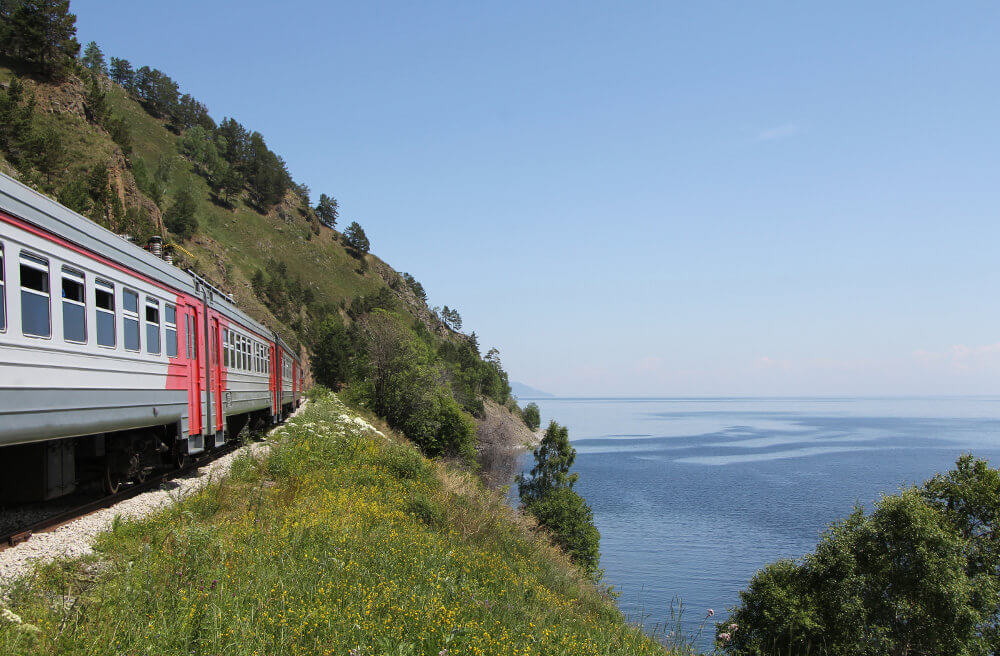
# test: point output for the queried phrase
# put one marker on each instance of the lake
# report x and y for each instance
(693, 495)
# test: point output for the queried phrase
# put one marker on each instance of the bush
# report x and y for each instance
(919, 575)
(426, 510)
(405, 464)
(333, 350)
(532, 417)
(571, 521)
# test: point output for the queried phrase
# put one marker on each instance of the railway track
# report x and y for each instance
(12, 537)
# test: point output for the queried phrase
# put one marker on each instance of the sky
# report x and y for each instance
(642, 198)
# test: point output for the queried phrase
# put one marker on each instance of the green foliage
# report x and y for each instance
(121, 72)
(451, 318)
(919, 575)
(180, 217)
(571, 522)
(426, 510)
(23, 141)
(328, 210)
(405, 463)
(332, 352)
(93, 59)
(40, 34)
(554, 457)
(547, 493)
(401, 381)
(416, 287)
(315, 549)
(356, 239)
(531, 416)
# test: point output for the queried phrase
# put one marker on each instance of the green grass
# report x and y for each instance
(339, 540)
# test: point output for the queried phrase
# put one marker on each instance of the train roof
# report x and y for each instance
(29, 205)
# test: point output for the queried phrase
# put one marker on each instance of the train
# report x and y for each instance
(114, 362)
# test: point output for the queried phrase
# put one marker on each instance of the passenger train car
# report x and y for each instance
(114, 362)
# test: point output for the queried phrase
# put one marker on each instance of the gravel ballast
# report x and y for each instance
(76, 538)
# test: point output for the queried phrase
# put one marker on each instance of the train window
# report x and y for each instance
(189, 324)
(152, 326)
(225, 349)
(130, 307)
(74, 306)
(3, 295)
(170, 325)
(35, 319)
(104, 301)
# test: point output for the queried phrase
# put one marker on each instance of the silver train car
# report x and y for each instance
(114, 362)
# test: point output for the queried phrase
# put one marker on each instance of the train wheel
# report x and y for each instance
(180, 459)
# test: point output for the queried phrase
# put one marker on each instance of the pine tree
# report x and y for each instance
(39, 33)
(122, 73)
(553, 459)
(328, 210)
(180, 217)
(93, 59)
(356, 238)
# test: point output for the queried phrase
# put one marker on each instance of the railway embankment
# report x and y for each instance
(334, 537)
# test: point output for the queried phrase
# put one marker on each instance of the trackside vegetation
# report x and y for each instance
(342, 540)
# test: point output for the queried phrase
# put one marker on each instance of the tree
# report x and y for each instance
(328, 210)
(919, 575)
(97, 102)
(39, 33)
(547, 493)
(452, 318)
(532, 417)
(571, 522)
(122, 73)
(180, 217)
(332, 352)
(93, 59)
(553, 459)
(356, 238)
(416, 287)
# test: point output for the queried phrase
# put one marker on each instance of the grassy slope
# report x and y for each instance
(232, 243)
(340, 539)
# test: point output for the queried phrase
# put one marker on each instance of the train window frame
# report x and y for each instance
(170, 330)
(105, 287)
(133, 317)
(3, 292)
(189, 326)
(78, 305)
(225, 348)
(156, 325)
(41, 265)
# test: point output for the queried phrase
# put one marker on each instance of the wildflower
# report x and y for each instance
(724, 637)
(443, 652)
(733, 627)
(710, 612)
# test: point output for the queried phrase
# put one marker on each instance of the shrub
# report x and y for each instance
(426, 510)
(333, 350)
(405, 464)
(919, 575)
(532, 417)
(571, 521)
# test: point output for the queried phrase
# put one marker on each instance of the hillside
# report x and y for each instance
(232, 243)
(342, 540)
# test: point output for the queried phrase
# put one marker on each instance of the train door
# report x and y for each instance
(215, 337)
(196, 404)
(273, 380)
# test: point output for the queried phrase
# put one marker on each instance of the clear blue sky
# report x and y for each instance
(643, 197)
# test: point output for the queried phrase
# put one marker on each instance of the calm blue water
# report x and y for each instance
(692, 496)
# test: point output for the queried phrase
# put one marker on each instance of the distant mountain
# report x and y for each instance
(522, 391)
